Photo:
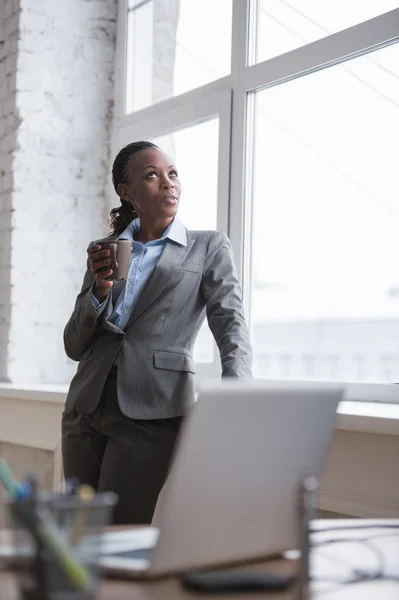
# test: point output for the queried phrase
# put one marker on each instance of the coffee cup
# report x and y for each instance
(120, 251)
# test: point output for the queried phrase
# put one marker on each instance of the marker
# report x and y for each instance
(40, 522)
(8, 479)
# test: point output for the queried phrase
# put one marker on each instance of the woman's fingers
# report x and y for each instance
(99, 261)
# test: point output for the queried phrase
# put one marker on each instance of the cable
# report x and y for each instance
(358, 575)
(353, 527)
(339, 540)
(380, 569)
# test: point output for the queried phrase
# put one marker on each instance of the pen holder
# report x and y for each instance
(58, 542)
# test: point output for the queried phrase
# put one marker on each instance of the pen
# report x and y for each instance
(71, 485)
(76, 572)
(41, 523)
(85, 495)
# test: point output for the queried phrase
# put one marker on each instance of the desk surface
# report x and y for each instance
(333, 562)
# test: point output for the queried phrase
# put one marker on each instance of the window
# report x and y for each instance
(292, 106)
(198, 208)
(389, 367)
(285, 366)
(333, 367)
(325, 209)
(308, 366)
(261, 365)
(175, 46)
(281, 25)
(360, 367)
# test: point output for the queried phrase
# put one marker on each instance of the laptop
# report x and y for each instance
(232, 493)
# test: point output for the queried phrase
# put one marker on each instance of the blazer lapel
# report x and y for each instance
(171, 258)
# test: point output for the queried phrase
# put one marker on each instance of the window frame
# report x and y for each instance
(232, 99)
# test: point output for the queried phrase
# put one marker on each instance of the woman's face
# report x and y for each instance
(153, 185)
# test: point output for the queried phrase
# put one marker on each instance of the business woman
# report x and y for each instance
(134, 340)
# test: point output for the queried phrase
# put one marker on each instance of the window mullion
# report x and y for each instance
(238, 222)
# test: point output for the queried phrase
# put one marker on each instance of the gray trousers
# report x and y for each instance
(111, 452)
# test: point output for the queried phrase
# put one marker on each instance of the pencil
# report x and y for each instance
(43, 524)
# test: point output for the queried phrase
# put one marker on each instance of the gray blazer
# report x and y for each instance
(154, 352)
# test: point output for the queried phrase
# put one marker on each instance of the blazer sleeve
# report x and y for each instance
(82, 327)
(224, 308)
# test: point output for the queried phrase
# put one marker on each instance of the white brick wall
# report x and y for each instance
(64, 83)
(9, 14)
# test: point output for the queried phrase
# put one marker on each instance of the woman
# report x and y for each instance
(134, 340)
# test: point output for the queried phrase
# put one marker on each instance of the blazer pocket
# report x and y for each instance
(173, 361)
(191, 268)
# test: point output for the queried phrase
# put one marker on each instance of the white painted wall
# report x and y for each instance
(58, 103)
(360, 477)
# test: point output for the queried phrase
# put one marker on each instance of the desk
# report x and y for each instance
(329, 561)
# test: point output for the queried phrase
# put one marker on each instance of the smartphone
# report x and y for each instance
(236, 581)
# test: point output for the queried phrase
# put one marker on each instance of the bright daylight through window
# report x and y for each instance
(283, 25)
(325, 287)
(175, 46)
(198, 210)
(291, 109)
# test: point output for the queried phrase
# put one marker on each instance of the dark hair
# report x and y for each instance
(123, 215)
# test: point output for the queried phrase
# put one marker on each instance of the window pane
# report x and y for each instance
(174, 46)
(195, 152)
(282, 26)
(325, 225)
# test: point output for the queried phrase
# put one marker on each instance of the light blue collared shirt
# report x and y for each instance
(143, 260)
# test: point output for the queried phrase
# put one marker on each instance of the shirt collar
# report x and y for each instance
(176, 232)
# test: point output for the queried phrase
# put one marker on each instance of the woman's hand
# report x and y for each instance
(99, 261)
